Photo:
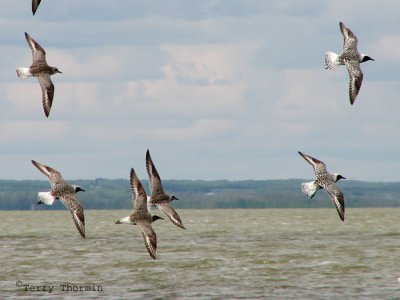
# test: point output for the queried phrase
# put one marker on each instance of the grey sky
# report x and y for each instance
(215, 89)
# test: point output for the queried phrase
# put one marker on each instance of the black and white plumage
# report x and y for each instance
(158, 196)
(351, 58)
(141, 217)
(326, 181)
(35, 5)
(42, 71)
(64, 192)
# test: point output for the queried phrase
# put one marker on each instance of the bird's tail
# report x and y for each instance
(331, 60)
(310, 188)
(46, 198)
(23, 73)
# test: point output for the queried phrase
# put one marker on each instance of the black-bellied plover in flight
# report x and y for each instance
(158, 196)
(326, 181)
(64, 192)
(42, 71)
(35, 5)
(141, 217)
(351, 58)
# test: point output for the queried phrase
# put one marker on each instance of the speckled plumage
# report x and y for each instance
(64, 192)
(326, 181)
(351, 58)
(42, 71)
(158, 196)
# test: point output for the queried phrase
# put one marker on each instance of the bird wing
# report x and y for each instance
(349, 38)
(149, 237)
(47, 93)
(167, 209)
(154, 178)
(355, 79)
(38, 53)
(139, 197)
(336, 196)
(35, 5)
(76, 210)
(53, 175)
(318, 166)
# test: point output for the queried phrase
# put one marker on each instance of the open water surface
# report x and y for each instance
(223, 254)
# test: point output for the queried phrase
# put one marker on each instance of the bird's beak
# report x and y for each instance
(59, 72)
(118, 222)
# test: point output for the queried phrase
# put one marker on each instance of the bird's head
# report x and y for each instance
(55, 70)
(78, 189)
(155, 218)
(338, 177)
(365, 58)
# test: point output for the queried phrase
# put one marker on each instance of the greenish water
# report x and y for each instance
(223, 254)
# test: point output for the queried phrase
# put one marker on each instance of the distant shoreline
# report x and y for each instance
(198, 194)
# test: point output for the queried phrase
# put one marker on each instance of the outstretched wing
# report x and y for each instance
(336, 196)
(76, 210)
(47, 93)
(154, 178)
(139, 197)
(35, 5)
(318, 166)
(349, 38)
(149, 237)
(53, 175)
(38, 53)
(355, 79)
(167, 209)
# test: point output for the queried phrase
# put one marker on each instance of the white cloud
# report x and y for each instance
(231, 88)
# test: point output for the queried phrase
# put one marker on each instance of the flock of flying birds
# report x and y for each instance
(142, 203)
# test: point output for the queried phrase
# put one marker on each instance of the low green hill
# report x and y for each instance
(115, 194)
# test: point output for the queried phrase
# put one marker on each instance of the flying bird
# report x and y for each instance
(35, 5)
(64, 192)
(42, 71)
(326, 181)
(351, 58)
(158, 197)
(141, 217)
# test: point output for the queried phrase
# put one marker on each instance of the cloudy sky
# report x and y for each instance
(215, 89)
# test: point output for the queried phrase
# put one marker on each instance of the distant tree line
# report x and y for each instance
(198, 194)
